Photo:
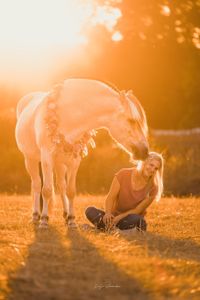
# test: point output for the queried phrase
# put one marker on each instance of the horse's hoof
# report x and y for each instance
(69, 221)
(43, 226)
(44, 222)
(72, 225)
(34, 222)
(35, 219)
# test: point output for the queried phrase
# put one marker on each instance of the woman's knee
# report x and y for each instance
(95, 216)
(90, 212)
(138, 221)
(93, 213)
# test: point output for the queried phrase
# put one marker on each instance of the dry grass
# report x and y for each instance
(59, 264)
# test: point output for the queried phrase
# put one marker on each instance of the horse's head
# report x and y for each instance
(129, 126)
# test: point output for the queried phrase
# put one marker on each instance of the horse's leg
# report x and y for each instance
(47, 189)
(60, 170)
(32, 167)
(41, 177)
(71, 190)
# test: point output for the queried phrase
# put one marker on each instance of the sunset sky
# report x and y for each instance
(151, 47)
(38, 37)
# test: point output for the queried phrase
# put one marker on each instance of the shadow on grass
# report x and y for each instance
(166, 247)
(70, 268)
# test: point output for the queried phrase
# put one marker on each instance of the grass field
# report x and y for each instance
(59, 264)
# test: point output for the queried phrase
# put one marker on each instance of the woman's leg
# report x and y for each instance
(95, 216)
(132, 221)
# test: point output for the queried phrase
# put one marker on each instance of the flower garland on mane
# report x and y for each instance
(79, 147)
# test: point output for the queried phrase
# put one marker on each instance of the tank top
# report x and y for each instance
(128, 198)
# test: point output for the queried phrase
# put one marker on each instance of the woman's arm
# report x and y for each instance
(110, 201)
(112, 195)
(139, 209)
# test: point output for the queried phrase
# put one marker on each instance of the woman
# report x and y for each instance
(131, 192)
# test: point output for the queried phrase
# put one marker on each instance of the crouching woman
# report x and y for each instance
(131, 193)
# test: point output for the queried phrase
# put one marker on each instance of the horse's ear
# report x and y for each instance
(129, 93)
(123, 93)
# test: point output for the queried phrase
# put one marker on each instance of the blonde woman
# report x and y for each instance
(131, 193)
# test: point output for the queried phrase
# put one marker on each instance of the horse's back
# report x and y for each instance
(89, 86)
(79, 98)
(85, 94)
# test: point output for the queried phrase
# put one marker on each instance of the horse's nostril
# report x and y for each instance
(140, 152)
(146, 152)
(133, 148)
(135, 152)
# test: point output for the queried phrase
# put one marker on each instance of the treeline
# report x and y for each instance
(181, 154)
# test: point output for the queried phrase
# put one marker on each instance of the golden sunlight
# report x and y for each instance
(35, 34)
(165, 10)
(25, 23)
(117, 36)
(196, 37)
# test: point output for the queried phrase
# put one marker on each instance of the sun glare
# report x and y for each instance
(107, 16)
(33, 33)
(43, 22)
(165, 10)
(196, 37)
(117, 36)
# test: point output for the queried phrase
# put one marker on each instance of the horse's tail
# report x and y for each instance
(24, 101)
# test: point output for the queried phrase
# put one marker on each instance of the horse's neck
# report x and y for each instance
(80, 117)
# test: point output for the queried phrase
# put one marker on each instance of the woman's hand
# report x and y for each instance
(108, 219)
(117, 219)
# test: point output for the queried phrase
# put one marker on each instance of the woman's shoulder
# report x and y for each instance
(123, 173)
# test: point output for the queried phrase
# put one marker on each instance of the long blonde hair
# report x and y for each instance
(158, 177)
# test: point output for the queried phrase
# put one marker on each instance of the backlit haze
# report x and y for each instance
(41, 38)
(151, 47)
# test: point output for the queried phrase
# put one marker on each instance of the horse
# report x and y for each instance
(55, 128)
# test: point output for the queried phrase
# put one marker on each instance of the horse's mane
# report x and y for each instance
(142, 120)
(111, 85)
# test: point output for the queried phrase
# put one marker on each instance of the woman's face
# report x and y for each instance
(150, 167)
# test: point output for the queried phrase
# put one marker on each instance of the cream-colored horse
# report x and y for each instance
(55, 128)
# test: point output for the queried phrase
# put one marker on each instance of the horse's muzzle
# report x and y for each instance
(140, 151)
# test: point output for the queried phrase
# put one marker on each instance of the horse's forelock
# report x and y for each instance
(134, 111)
(138, 112)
